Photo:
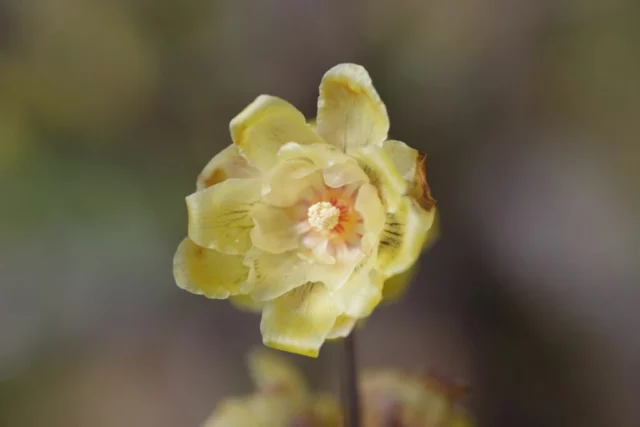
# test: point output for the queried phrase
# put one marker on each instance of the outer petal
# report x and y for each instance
(350, 112)
(208, 272)
(362, 292)
(299, 321)
(342, 327)
(219, 216)
(265, 125)
(226, 164)
(403, 237)
(383, 175)
(275, 229)
(272, 373)
(396, 286)
(246, 303)
(272, 275)
(411, 164)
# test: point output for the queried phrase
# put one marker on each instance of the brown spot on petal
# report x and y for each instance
(421, 191)
(216, 177)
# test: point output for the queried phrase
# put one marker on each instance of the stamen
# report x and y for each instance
(323, 216)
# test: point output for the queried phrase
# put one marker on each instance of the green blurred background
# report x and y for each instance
(529, 112)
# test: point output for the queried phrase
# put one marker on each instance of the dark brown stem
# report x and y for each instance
(350, 398)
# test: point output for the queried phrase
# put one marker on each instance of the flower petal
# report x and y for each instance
(411, 164)
(396, 286)
(382, 174)
(226, 164)
(370, 207)
(208, 272)
(362, 292)
(274, 230)
(271, 372)
(403, 237)
(265, 125)
(342, 327)
(350, 112)
(322, 155)
(287, 182)
(257, 410)
(300, 320)
(246, 303)
(219, 216)
(271, 275)
(344, 173)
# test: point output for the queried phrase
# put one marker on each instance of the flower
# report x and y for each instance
(388, 398)
(281, 399)
(306, 222)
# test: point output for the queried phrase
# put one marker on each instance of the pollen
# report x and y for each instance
(323, 216)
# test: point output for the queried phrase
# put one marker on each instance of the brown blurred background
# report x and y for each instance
(529, 112)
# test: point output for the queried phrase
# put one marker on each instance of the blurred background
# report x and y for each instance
(529, 112)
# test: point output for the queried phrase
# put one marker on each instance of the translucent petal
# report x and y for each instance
(271, 275)
(289, 181)
(344, 173)
(382, 174)
(274, 230)
(362, 292)
(300, 320)
(226, 164)
(322, 155)
(350, 112)
(342, 327)
(246, 303)
(405, 158)
(208, 272)
(219, 216)
(271, 372)
(265, 125)
(370, 207)
(403, 237)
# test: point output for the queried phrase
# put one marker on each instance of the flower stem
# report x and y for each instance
(350, 399)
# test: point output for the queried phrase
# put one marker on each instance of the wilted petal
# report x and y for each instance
(382, 174)
(274, 229)
(225, 165)
(208, 272)
(342, 327)
(350, 112)
(403, 237)
(265, 125)
(219, 216)
(300, 320)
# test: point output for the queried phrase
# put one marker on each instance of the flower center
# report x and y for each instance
(323, 216)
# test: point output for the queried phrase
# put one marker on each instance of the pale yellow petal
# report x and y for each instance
(350, 111)
(208, 272)
(383, 175)
(300, 320)
(219, 216)
(289, 181)
(403, 237)
(396, 286)
(362, 292)
(274, 230)
(265, 125)
(322, 155)
(246, 303)
(344, 173)
(369, 205)
(271, 372)
(225, 165)
(271, 275)
(342, 327)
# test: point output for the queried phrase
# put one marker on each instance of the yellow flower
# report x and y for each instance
(387, 398)
(281, 399)
(307, 222)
